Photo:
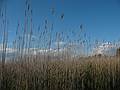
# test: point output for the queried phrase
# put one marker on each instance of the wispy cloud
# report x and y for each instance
(105, 49)
(61, 43)
(8, 50)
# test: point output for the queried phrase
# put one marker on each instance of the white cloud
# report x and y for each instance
(105, 49)
(60, 43)
(8, 50)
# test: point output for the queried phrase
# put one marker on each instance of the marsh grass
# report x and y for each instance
(69, 69)
(87, 74)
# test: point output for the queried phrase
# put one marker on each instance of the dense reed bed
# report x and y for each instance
(91, 73)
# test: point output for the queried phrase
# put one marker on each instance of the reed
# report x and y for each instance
(46, 59)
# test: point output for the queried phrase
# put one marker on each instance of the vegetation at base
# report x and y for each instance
(91, 73)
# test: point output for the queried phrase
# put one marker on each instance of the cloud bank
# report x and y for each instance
(105, 49)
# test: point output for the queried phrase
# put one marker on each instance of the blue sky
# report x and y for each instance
(100, 18)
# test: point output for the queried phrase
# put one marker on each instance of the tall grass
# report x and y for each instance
(63, 64)
(86, 74)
